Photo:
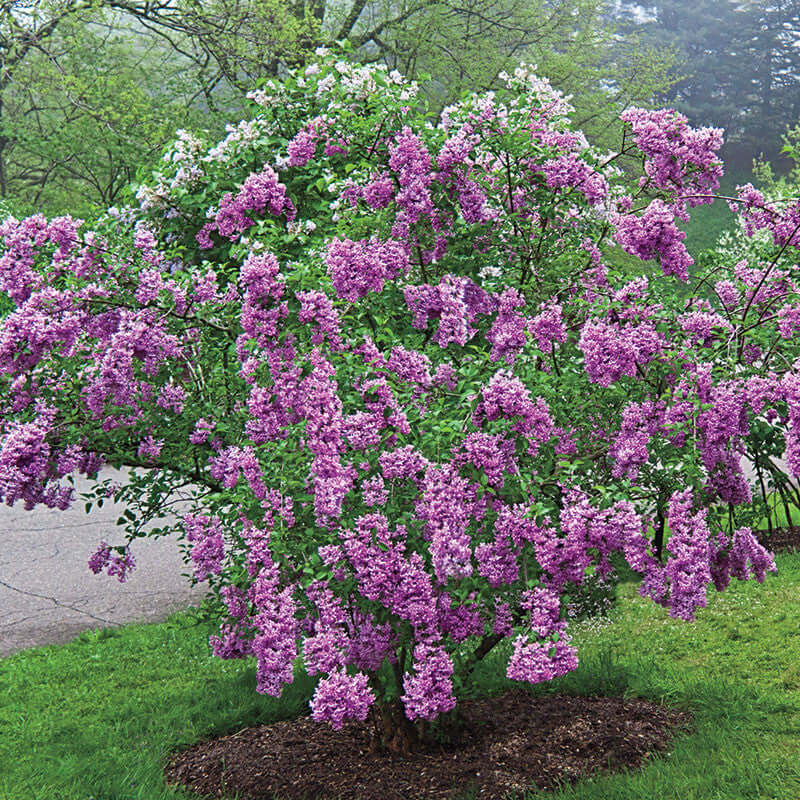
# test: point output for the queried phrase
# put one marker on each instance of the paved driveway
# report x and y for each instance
(48, 594)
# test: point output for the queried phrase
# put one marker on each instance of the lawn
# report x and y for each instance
(95, 719)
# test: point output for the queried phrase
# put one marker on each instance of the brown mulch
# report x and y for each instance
(507, 743)
(782, 540)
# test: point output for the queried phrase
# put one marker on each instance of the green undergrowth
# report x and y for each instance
(707, 222)
(778, 515)
(96, 719)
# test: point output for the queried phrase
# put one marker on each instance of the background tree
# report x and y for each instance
(741, 66)
(84, 111)
(465, 46)
(88, 91)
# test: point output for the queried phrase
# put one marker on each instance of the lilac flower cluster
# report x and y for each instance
(21, 241)
(429, 690)
(236, 634)
(208, 544)
(115, 564)
(640, 421)
(677, 155)
(455, 302)
(317, 307)
(590, 535)
(757, 214)
(507, 334)
(261, 191)
(379, 192)
(570, 171)
(263, 308)
(324, 438)
(411, 162)
(506, 397)
(696, 558)
(24, 464)
(653, 235)
(491, 454)
(444, 505)
(133, 341)
(357, 268)
(341, 696)
(275, 624)
(611, 351)
(303, 146)
(551, 654)
(547, 327)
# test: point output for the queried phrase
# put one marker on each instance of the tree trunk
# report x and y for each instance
(764, 493)
(394, 731)
(658, 540)
(3, 145)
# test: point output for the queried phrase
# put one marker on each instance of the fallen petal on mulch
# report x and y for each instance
(509, 743)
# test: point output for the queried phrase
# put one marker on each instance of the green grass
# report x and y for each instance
(96, 718)
(706, 223)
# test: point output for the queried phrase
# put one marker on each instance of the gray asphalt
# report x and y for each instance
(48, 595)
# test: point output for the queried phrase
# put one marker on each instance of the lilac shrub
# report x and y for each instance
(412, 394)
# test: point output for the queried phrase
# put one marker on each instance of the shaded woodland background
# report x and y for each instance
(91, 90)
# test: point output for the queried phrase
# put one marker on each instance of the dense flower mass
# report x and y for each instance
(407, 392)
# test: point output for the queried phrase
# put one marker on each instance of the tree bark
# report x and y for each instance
(658, 540)
(394, 731)
(3, 146)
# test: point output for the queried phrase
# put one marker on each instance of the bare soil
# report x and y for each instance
(505, 744)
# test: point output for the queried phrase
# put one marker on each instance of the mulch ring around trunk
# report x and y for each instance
(508, 743)
(782, 540)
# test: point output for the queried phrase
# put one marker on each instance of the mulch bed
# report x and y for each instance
(507, 744)
(782, 540)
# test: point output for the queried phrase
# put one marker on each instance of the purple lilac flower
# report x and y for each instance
(260, 191)
(379, 192)
(150, 449)
(24, 463)
(316, 307)
(655, 235)
(403, 462)
(429, 689)
(536, 662)
(341, 696)
(746, 548)
(677, 155)
(506, 397)
(444, 505)
(201, 432)
(121, 565)
(507, 334)
(208, 550)
(547, 326)
(233, 641)
(357, 268)
(570, 171)
(275, 641)
(370, 643)
(374, 491)
(687, 573)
